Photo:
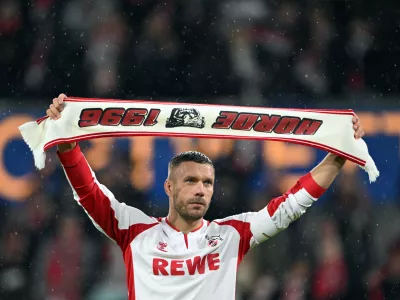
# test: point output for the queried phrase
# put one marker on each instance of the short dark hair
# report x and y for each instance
(193, 156)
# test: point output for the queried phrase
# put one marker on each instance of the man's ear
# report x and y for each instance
(168, 187)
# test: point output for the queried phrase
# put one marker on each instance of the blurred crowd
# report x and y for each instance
(202, 51)
(199, 49)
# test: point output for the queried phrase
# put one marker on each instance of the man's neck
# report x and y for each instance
(183, 225)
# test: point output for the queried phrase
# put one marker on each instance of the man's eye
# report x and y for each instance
(189, 180)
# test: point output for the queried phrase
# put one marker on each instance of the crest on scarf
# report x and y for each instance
(185, 117)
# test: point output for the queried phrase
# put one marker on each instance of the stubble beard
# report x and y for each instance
(189, 215)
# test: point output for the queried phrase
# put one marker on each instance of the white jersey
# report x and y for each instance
(164, 263)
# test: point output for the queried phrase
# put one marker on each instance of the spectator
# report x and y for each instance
(14, 276)
(384, 284)
(64, 263)
(331, 273)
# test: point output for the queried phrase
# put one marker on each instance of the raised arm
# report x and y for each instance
(287, 208)
(116, 220)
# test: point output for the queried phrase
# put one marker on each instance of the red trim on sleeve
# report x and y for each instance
(130, 277)
(243, 228)
(313, 188)
(273, 205)
(80, 176)
(101, 212)
(307, 182)
(94, 201)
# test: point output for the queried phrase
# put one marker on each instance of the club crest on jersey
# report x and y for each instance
(161, 246)
(213, 240)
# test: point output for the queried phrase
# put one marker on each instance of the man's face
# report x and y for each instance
(191, 189)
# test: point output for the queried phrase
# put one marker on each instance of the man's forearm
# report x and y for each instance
(327, 170)
(65, 147)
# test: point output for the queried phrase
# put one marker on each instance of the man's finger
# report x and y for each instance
(55, 103)
(61, 98)
(50, 114)
(359, 134)
(55, 111)
(58, 104)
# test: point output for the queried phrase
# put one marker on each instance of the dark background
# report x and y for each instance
(251, 52)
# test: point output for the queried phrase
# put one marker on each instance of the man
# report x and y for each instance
(183, 256)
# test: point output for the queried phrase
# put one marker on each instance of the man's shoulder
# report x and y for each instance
(239, 222)
(243, 217)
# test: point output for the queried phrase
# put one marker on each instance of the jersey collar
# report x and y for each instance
(173, 229)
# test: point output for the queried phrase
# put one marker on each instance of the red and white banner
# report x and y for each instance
(83, 119)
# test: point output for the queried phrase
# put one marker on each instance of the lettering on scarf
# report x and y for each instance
(266, 123)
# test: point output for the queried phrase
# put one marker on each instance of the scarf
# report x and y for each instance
(82, 119)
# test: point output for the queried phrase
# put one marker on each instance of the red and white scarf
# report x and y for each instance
(83, 119)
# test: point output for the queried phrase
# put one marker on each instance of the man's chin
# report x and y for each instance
(194, 215)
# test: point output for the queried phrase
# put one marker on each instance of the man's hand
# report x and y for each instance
(55, 109)
(54, 113)
(358, 130)
(327, 170)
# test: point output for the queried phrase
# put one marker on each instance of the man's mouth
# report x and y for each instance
(197, 203)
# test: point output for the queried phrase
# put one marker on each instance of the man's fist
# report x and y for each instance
(54, 113)
(55, 109)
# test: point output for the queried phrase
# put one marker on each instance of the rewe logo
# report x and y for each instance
(192, 266)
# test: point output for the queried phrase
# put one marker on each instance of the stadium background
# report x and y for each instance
(331, 54)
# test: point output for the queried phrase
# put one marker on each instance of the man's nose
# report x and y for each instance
(199, 189)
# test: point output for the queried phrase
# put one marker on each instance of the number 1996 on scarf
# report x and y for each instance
(118, 116)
